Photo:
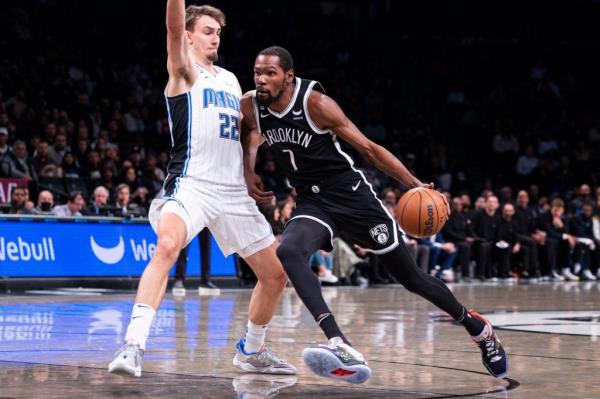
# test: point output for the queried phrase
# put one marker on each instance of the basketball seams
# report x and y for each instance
(420, 209)
(437, 213)
(404, 207)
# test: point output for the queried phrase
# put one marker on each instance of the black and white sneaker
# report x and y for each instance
(338, 361)
(492, 353)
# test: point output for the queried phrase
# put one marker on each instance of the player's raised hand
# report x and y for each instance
(256, 188)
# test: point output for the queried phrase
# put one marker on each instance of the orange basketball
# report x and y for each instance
(421, 212)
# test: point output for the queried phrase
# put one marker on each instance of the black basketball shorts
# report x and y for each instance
(347, 203)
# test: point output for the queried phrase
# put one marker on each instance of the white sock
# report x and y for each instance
(255, 337)
(139, 325)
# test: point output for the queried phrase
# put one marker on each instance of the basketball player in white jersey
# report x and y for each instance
(205, 187)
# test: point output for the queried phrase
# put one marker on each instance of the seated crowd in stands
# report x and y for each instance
(75, 203)
(508, 240)
(79, 129)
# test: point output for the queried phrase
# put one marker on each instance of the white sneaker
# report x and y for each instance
(128, 360)
(264, 361)
(576, 268)
(337, 360)
(448, 275)
(556, 277)
(327, 277)
(566, 272)
(587, 275)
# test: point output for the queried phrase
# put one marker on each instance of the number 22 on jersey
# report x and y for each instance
(229, 128)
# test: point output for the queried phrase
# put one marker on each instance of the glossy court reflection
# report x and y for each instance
(59, 346)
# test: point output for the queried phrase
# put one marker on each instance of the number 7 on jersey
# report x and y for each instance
(292, 159)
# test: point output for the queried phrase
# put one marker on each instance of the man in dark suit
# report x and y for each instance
(98, 205)
(507, 242)
(560, 242)
(529, 235)
(457, 230)
(485, 228)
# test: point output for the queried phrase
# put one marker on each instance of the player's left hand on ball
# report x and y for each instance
(431, 186)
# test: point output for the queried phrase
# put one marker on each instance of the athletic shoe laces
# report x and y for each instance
(491, 348)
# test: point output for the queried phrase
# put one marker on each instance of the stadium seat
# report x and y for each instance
(76, 184)
(54, 184)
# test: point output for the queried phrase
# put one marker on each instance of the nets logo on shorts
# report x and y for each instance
(380, 234)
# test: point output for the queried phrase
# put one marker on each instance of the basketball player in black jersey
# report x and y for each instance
(303, 127)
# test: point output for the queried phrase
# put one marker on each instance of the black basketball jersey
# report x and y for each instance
(307, 154)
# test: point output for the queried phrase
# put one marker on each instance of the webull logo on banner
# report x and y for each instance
(34, 249)
(21, 250)
(143, 251)
(113, 255)
(43, 250)
(109, 255)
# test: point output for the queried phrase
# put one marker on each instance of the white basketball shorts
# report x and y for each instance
(229, 212)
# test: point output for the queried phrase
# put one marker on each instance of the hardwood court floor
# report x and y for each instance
(58, 346)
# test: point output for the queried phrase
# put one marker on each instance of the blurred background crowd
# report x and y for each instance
(503, 117)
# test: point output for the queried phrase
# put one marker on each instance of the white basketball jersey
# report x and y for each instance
(205, 131)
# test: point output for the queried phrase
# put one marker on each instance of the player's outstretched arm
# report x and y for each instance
(327, 114)
(252, 139)
(178, 60)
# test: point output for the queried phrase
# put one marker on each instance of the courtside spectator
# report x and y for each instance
(44, 204)
(99, 202)
(73, 207)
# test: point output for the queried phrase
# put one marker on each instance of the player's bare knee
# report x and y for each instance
(167, 249)
(280, 280)
(275, 280)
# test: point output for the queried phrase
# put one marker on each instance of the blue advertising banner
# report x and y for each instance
(57, 249)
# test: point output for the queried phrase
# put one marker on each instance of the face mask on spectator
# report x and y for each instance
(45, 206)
